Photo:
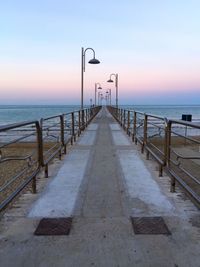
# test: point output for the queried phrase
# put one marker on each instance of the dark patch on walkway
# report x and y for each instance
(54, 226)
(150, 226)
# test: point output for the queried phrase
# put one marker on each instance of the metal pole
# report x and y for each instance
(128, 123)
(79, 122)
(82, 70)
(145, 132)
(110, 96)
(95, 94)
(135, 127)
(116, 83)
(98, 98)
(62, 131)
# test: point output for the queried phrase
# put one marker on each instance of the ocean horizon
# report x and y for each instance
(18, 113)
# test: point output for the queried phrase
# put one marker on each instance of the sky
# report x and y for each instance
(153, 45)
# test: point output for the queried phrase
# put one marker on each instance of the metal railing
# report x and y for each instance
(174, 144)
(19, 166)
(28, 147)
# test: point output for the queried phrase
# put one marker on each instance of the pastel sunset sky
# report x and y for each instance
(153, 45)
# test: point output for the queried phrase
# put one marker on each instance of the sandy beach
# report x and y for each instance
(11, 168)
(186, 149)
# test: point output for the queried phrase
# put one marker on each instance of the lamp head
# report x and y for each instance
(110, 81)
(94, 61)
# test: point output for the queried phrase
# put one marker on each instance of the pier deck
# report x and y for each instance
(101, 183)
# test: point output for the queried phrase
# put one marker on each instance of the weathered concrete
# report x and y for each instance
(59, 198)
(117, 183)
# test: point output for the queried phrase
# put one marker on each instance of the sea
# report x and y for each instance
(18, 113)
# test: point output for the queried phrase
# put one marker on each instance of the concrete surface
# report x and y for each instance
(58, 200)
(116, 183)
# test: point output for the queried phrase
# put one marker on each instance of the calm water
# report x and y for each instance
(169, 111)
(19, 113)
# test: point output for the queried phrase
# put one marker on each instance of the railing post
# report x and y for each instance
(88, 115)
(39, 153)
(85, 113)
(145, 132)
(34, 187)
(113, 111)
(173, 181)
(135, 127)
(40, 144)
(165, 141)
(79, 122)
(168, 143)
(124, 121)
(117, 113)
(128, 123)
(46, 169)
(83, 120)
(73, 128)
(62, 132)
(85, 117)
(121, 116)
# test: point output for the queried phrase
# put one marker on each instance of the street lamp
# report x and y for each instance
(91, 61)
(116, 85)
(97, 84)
(101, 99)
(100, 95)
(107, 99)
(109, 96)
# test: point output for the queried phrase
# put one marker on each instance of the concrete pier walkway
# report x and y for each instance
(102, 182)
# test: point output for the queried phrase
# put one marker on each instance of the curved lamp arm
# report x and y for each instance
(116, 78)
(98, 84)
(92, 61)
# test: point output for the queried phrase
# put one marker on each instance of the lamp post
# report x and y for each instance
(91, 61)
(116, 85)
(99, 98)
(107, 99)
(97, 84)
(109, 96)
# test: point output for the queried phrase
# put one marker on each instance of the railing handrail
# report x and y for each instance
(42, 154)
(17, 125)
(181, 122)
(185, 123)
(162, 151)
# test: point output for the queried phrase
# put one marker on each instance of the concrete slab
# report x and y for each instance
(87, 139)
(59, 198)
(114, 126)
(93, 127)
(99, 115)
(120, 139)
(141, 186)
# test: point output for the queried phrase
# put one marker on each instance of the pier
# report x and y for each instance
(106, 190)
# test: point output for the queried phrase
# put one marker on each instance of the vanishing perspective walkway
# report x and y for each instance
(102, 182)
